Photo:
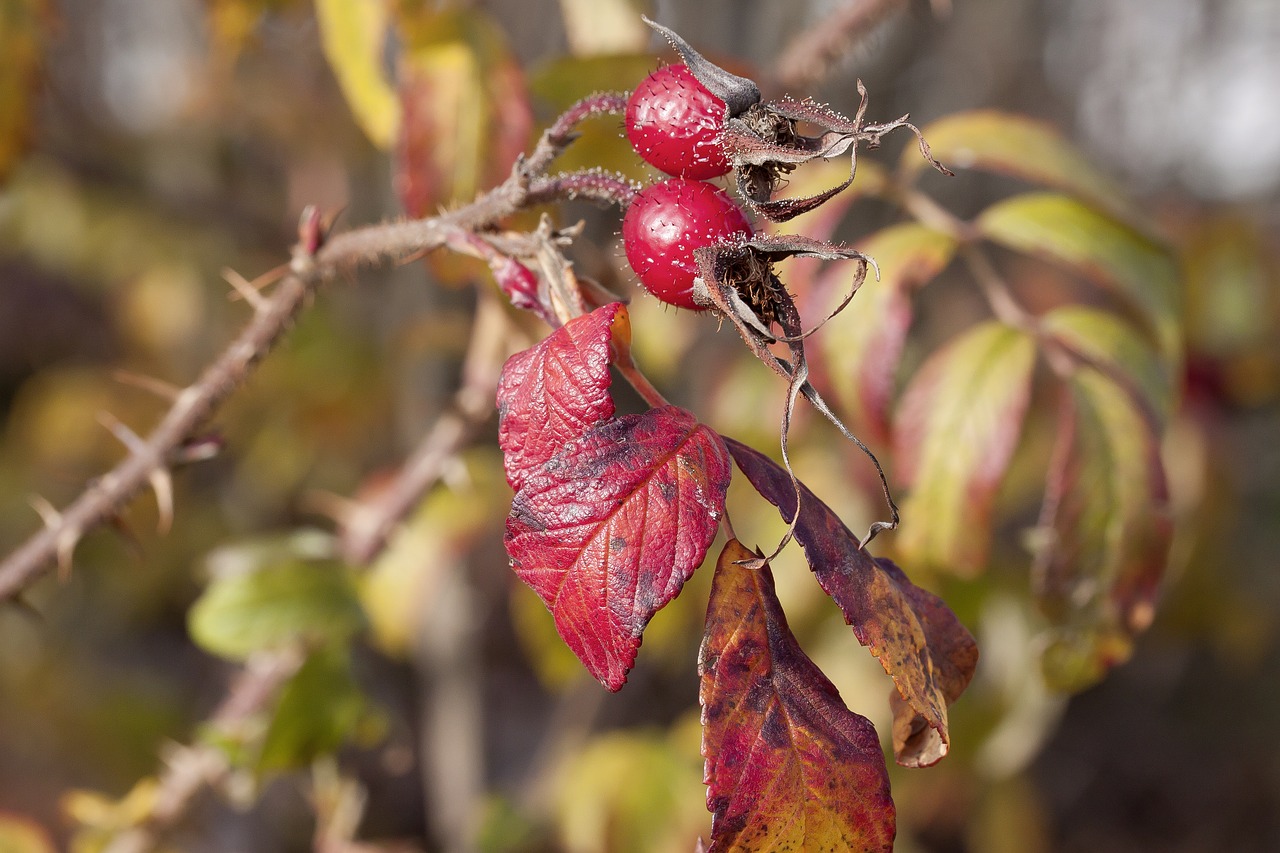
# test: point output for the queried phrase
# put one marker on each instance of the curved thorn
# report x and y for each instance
(162, 484)
(164, 390)
(48, 512)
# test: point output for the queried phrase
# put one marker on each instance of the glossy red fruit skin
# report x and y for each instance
(665, 224)
(674, 123)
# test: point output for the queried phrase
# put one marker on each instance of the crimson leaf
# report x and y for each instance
(552, 393)
(610, 528)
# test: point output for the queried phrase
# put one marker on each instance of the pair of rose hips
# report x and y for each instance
(675, 124)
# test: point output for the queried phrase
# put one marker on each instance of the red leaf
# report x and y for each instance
(788, 766)
(920, 643)
(554, 392)
(609, 529)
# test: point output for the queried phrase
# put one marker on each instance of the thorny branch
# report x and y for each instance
(317, 258)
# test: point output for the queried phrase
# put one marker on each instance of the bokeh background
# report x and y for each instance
(145, 147)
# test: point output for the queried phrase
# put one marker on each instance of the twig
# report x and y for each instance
(810, 55)
(316, 259)
(191, 769)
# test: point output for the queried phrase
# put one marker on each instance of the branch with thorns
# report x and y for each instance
(317, 257)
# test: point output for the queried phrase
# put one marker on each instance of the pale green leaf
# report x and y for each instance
(1063, 230)
(319, 709)
(955, 431)
(1115, 346)
(1015, 145)
(269, 597)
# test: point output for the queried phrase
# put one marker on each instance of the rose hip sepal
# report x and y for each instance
(610, 528)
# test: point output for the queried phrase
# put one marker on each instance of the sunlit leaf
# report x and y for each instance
(466, 112)
(610, 528)
(555, 391)
(1105, 532)
(954, 433)
(261, 598)
(1010, 144)
(317, 712)
(354, 36)
(917, 639)
(860, 349)
(596, 27)
(1064, 230)
(1117, 347)
(21, 45)
(788, 766)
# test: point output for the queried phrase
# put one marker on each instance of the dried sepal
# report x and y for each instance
(738, 93)
(737, 280)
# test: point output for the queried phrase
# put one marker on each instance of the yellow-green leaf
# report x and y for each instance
(1010, 144)
(955, 431)
(1061, 229)
(860, 350)
(354, 36)
(1115, 346)
(268, 596)
(1105, 532)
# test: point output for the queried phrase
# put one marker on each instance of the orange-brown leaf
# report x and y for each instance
(918, 640)
(788, 766)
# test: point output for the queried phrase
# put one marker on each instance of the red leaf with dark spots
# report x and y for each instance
(554, 392)
(610, 528)
(920, 643)
(788, 766)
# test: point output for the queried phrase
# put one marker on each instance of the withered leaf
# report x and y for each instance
(918, 640)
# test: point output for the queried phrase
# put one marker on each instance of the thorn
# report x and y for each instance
(66, 548)
(19, 600)
(162, 484)
(165, 390)
(48, 512)
(130, 439)
(244, 289)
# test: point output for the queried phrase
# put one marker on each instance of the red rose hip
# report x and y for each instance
(665, 224)
(675, 124)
